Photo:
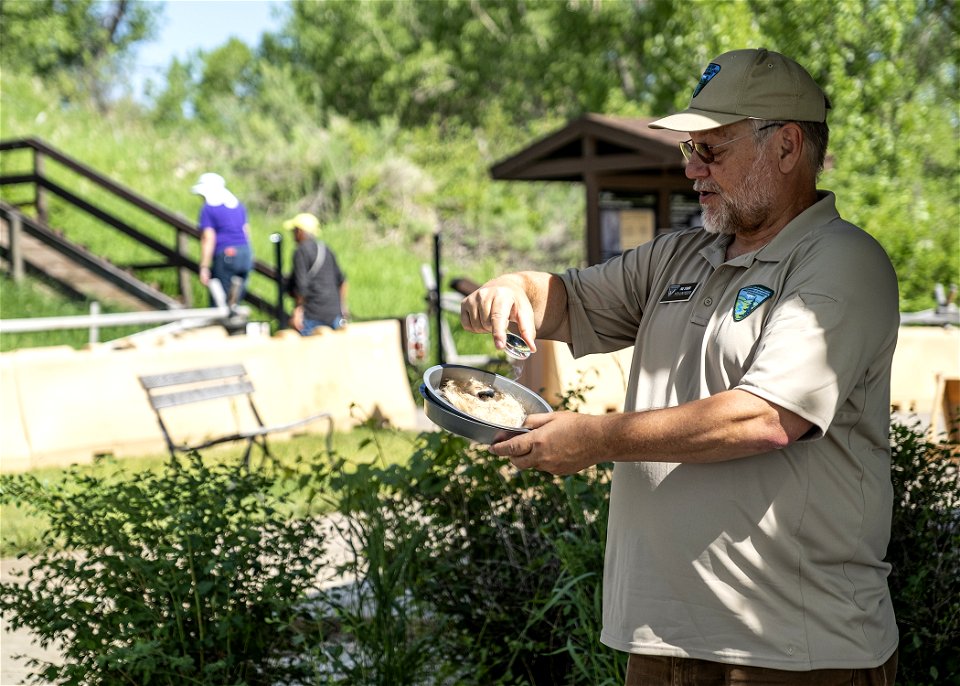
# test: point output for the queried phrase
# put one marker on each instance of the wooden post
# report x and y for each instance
(663, 211)
(183, 274)
(441, 353)
(94, 326)
(592, 186)
(40, 195)
(16, 246)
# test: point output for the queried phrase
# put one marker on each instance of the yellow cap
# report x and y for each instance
(305, 222)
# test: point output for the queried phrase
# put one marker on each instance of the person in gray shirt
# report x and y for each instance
(317, 282)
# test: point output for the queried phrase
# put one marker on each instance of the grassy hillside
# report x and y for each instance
(380, 193)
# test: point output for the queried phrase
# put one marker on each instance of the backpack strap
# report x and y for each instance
(319, 260)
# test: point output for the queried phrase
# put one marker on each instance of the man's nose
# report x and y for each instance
(696, 168)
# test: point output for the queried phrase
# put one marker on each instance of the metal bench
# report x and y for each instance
(173, 389)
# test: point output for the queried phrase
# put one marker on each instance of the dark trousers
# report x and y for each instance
(653, 670)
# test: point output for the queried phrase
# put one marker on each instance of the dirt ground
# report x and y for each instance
(17, 646)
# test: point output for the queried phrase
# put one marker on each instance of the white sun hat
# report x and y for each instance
(214, 190)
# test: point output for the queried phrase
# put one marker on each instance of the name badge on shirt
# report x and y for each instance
(679, 292)
(749, 299)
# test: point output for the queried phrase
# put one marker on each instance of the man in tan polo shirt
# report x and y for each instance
(751, 498)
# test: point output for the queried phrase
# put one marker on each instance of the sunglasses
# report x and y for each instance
(705, 152)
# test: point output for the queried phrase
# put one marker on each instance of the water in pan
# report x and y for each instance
(475, 398)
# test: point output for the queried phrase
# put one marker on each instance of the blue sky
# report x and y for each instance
(189, 25)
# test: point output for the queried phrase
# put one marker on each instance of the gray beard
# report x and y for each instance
(744, 209)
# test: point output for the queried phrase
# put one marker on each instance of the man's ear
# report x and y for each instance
(790, 147)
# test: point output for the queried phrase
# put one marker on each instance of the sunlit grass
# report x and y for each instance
(31, 298)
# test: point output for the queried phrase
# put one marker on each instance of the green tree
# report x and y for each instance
(82, 42)
(170, 101)
(890, 68)
(227, 74)
(424, 61)
(421, 61)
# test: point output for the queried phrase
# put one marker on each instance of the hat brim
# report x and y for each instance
(696, 120)
(291, 224)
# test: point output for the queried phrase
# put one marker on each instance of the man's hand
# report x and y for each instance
(726, 426)
(296, 318)
(492, 307)
(560, 443)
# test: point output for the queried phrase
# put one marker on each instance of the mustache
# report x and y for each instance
(705, 187)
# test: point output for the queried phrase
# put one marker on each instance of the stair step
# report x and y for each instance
(61, 268)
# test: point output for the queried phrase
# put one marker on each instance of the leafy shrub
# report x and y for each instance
(467, 572)
(925, 554)
(379, 635)
(192, 575)
(501, 568)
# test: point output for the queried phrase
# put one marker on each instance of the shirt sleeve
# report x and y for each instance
(205, 220)
(834, 326)
(606, 302)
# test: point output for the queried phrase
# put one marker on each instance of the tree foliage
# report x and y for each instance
(386, 116)
(83, 39)
(891, 72)
(889, 66)
(423, 61)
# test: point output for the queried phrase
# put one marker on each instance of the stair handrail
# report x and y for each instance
(184, 229)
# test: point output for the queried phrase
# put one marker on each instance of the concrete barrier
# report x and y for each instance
(601, 379)
(63, 406)
(927, 357)
(60, 406)
(923, 354)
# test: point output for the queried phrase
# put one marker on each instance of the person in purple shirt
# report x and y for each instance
(225, 252)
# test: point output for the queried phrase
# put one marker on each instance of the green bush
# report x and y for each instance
(467, 572)
(192, 575)
(925, 554)
(500, 569)
(503, 568)
(379, 635)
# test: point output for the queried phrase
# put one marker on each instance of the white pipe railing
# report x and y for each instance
(85, 321)
(96, 320)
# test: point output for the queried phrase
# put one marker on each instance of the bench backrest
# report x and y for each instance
(196, 385)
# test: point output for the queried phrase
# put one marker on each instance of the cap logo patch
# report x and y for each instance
(749, 299)
(712, 70)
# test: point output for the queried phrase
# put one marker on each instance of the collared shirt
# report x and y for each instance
(774, 560)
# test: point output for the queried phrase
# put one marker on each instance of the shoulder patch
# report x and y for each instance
(748, 299)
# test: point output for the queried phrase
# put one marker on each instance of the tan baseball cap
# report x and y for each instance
(305, 222)
(750, 84)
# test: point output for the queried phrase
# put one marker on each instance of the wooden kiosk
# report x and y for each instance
(633, 176)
